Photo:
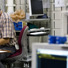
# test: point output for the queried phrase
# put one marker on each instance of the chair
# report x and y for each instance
(19, 53)
(26, 54)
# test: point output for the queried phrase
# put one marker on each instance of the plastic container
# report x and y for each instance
(18, 26)
(61, 40)
(51, 39)
(56, 39)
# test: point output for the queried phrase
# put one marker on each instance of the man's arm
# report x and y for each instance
(4, 41)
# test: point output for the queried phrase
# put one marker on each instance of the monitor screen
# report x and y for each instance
(49, 56)
(35, 7)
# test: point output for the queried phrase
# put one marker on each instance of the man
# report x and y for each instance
(7, 37)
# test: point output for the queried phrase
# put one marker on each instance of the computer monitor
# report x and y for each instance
(49, 55)
(36, 7)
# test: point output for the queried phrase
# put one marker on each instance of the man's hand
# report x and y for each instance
(4, 41)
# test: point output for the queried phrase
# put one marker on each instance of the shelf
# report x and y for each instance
(35, 30)
(10, 5)
(46, 29)
(65, 12)
(35, 19)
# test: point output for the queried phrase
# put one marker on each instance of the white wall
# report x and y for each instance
(58, 20)
(2, 5)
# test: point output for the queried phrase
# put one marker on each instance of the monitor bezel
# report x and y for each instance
(30, 10)
(35, 46)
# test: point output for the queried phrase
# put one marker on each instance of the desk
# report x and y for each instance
(39, 30)
(36, 39)
(5, 51)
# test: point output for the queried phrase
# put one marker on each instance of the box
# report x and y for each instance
(18, 26)
(61, 40)
(51, 39)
